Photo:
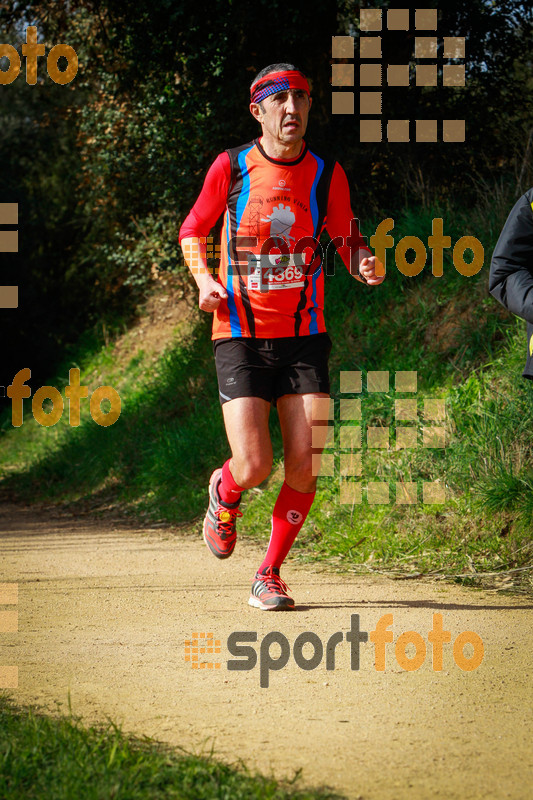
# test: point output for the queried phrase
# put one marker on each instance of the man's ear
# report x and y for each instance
(310, 101)
(255, 111)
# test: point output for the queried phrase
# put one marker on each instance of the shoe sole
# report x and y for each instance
(257, 603)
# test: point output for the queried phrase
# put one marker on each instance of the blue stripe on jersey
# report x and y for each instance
(245, 191)
(313, 205)
(233, 315)
(242, 200)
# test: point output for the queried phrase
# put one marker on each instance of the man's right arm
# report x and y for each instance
(211, 290)
(206, 211)
(511, 269)
(356, 255)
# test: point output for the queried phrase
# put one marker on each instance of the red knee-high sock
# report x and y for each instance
(229, 491)
(289, 515)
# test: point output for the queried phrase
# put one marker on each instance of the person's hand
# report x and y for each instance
(211, 295)
(367, 268)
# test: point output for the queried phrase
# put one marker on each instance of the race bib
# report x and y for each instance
(274, 271)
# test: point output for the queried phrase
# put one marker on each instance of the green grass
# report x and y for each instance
(156, 459)
(59, 758)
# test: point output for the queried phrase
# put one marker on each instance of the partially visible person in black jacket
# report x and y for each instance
(511, 269)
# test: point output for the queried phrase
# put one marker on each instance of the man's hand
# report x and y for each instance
(211, 294)
(368, 267)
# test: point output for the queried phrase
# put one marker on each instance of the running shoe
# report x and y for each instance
(220, 534)
(269, 592)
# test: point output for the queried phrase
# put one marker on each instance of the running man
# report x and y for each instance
(269, 337)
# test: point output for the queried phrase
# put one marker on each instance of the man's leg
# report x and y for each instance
(246, 421)
(296, 496)
(298, 491)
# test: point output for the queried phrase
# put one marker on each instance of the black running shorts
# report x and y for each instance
(270, 368)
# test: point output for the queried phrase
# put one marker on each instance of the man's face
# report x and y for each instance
(285, 115)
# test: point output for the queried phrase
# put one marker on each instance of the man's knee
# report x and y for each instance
(299, 473)
(253, 471)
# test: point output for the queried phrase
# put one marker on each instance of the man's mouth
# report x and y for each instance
(292, 124)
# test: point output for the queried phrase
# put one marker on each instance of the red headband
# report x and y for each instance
(278, 82)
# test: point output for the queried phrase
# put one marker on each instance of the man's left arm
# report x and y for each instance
(340, 222)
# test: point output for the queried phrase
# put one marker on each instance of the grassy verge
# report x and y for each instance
(482, 534)
(59, 758)
(156, 459)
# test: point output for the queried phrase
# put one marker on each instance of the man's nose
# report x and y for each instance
(290, 105)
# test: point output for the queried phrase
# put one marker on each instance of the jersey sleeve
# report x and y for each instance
(211, 201)
(340, 215)
(511, 269)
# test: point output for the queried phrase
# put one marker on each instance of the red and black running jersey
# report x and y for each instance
(271, 260)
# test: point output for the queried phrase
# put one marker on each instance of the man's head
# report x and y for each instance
(280, 102)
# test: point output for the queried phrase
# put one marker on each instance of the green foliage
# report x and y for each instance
(57, 757)
(106, 168)
(493, 449)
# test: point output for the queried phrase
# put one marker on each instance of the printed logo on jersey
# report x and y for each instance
(281, 221)
(281, 185)
(276, 270)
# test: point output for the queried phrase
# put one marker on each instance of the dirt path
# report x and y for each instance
(105, 611)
